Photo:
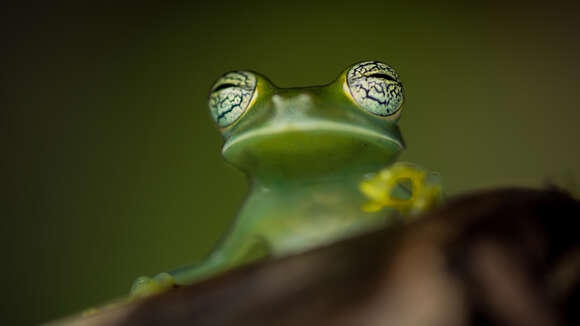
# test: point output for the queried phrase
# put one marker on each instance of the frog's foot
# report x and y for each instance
(145, 286)
(388, 188)
(97, 310)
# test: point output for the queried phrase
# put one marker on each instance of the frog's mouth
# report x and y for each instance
(311, 147)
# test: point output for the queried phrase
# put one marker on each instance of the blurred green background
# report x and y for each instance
(110, 162)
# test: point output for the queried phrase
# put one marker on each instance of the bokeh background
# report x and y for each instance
(110, 163)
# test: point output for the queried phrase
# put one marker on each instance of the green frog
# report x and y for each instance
(315, 159)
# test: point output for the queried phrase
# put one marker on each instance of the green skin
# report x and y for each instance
(305, 152)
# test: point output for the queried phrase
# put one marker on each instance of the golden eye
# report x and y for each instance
(376, 88)
(230, 97)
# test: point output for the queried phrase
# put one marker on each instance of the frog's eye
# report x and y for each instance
(376, 88)
(230, 97)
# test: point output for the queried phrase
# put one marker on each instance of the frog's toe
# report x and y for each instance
(90, 311)
(406, 187)
(145, 286)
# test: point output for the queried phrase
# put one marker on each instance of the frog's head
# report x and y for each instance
(347, 125)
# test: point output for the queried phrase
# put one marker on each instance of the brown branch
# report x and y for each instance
(504, 257)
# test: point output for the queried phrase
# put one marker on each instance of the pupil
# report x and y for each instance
(383, 76)
(223, 86)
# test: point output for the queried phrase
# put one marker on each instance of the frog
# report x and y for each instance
(320, 162)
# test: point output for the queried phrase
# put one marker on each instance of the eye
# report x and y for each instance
(376, 88)
(230, 97)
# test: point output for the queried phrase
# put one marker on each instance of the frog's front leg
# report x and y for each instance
(145, 286)
(387, 189)
(234, 252)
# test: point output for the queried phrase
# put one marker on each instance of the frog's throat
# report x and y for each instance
(310, 126)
